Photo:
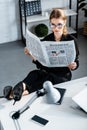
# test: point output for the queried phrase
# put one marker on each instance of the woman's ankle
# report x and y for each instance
(25, 91)
(24, 86)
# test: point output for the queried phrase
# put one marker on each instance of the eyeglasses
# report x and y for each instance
(59, 25)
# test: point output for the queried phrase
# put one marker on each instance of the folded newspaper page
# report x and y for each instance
(51, 53)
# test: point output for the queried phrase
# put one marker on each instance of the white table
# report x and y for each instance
(66, 116)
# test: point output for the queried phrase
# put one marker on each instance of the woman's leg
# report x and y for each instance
(35, 80)
(25, 91)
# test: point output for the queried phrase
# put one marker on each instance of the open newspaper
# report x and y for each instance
(51, 53)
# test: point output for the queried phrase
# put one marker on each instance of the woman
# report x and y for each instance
(36, 78)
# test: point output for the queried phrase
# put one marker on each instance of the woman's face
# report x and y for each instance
(57, 26)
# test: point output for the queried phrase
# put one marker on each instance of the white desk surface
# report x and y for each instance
(66, 116)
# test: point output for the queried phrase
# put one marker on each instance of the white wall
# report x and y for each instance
(9, 21)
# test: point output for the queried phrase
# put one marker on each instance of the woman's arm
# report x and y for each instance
(26, 51)
(72, 66)
(36, 62)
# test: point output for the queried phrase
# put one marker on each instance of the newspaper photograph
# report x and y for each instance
(51, 53)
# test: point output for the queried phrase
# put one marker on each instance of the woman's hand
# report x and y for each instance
(26, 51)
(72, 66)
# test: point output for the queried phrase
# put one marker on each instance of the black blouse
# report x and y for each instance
(61, 70)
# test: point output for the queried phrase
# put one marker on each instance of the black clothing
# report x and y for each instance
(36, 78)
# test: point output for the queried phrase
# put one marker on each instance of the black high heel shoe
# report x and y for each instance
(7, 91)
(17, 91)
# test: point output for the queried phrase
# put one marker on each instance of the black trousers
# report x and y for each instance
(36, 78)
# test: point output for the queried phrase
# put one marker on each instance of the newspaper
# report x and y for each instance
(51, 53)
